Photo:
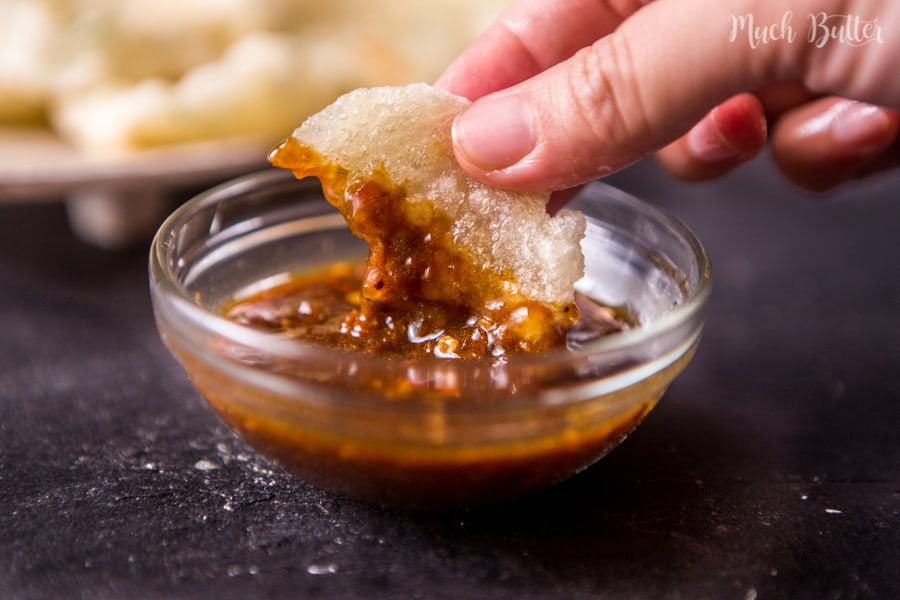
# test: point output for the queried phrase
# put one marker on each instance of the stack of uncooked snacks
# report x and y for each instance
(110, 76)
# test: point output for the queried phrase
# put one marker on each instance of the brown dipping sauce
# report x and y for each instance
(417, 297)
(419, 293)
(324, 305)
(428, 471)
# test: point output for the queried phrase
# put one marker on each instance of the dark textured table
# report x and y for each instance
(771, 469)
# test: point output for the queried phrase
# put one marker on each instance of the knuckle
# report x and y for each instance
(604, 89)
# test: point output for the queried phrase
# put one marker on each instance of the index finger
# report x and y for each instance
(529, 37)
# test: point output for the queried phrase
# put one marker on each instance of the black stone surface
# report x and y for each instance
(770, 470)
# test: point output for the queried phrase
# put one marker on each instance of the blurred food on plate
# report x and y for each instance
(111, 76)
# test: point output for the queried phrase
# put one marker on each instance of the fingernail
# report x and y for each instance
(494, 133)
(860, 124)
(707, 143)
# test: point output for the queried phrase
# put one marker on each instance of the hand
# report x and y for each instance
(567, 91)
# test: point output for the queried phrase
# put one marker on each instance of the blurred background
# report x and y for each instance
(108, 100)
(115, 75)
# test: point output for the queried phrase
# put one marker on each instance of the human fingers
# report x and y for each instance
(804, 144)
(728, 136)
(802, 131)
(731, 133)
(529, 37)
(822, 144)
(648, 82)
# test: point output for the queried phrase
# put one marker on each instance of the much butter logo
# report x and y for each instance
(821, 29)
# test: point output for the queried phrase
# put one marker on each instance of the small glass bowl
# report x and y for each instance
(461, 433)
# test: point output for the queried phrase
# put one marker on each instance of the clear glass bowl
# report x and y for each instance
(461, 433)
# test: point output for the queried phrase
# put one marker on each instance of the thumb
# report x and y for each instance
(630, 93)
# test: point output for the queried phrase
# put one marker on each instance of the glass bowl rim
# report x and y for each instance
(164, 282)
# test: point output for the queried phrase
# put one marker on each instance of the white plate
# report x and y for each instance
(37, 165)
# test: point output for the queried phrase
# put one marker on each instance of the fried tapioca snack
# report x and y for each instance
(455, 268)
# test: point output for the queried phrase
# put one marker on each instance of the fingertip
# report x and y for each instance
(823, 144)
(865, 127)
(741, 123)
(731, 134)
